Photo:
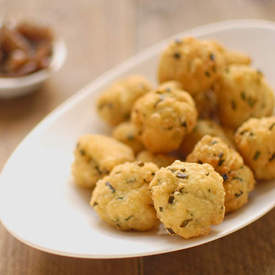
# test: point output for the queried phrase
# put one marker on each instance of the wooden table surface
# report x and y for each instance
(99, 35)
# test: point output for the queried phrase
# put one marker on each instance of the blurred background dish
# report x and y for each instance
(29, 54)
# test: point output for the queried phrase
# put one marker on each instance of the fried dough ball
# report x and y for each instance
(194, 63)
(161, 160)
(238, 179)
(237, 185)
(188, 198)
(202, 128)
(230, 57)
(164, 117)
(127, 133)
(216, 152)
(243, 93)
(255, 140)
(95, 157)
(115, 104)
(123, 198)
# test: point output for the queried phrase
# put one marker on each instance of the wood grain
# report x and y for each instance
(100, 34)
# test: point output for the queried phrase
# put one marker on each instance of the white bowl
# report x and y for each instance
(11, 87)
(41, 206)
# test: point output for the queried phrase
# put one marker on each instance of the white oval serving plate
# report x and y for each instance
(39, 203)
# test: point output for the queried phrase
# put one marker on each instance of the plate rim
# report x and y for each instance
(104, 78)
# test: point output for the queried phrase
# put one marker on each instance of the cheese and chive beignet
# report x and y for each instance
(194, 63)
(164, 118)
(114, 105)
(95, 156)
(123, 198)
(255, 140)
(188, 198)
(238, 179)
(242, 93)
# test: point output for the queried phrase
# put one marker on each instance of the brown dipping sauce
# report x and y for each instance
(24, 49)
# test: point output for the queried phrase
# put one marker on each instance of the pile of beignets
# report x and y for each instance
(184, 153)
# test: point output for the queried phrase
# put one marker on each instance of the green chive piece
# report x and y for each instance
(243, 96)
(233, 105)
(128, 218)
(256, 155)
(212, 56)
(177, 55)
(170, 230)
(171, 199)
(185, 222)
(108, 184)
(130, 137)
(237, 195)
(207, 74)
(272, 157)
